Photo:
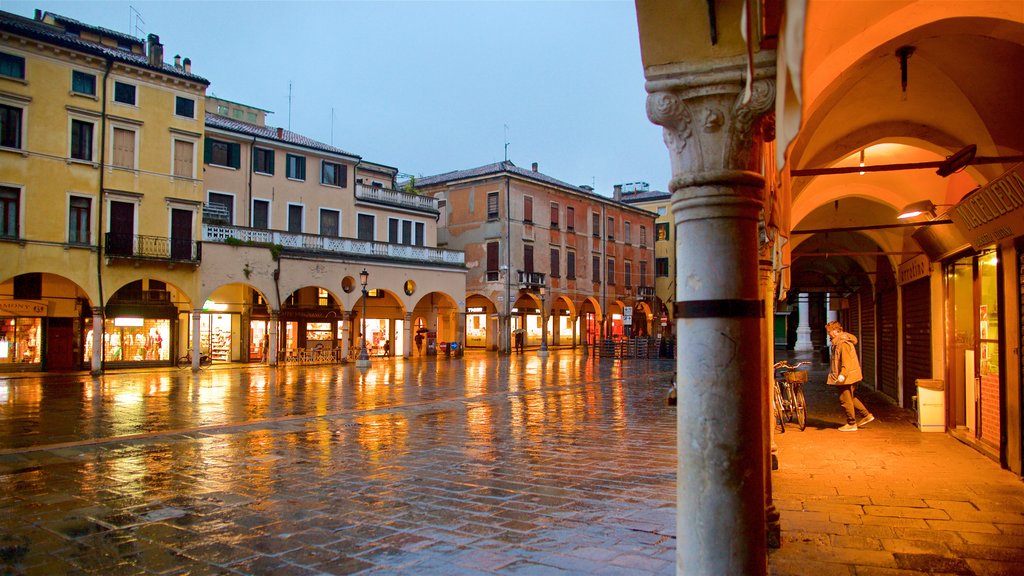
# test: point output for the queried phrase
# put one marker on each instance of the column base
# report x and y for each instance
(360, 363)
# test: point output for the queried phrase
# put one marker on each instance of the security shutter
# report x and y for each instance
(917, 332)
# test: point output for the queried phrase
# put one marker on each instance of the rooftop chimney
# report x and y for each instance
(617, 193)
(155, 51)
(280, 133)
(535, 166)
(188, 66)
(177, 61)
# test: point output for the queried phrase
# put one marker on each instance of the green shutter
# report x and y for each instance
(270, 161)
(343, 175)
(302, 167)
(207, 151)
(234, 155)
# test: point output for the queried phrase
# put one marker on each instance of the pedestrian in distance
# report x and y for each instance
(845, 374)
(387, 348)
(519, 342)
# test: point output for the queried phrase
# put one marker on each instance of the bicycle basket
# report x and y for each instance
(796, 377)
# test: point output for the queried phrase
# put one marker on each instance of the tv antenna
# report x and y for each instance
(506, 142)
(289, 105)
(134, 18)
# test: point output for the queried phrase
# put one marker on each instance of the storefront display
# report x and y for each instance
(129, 339)
(476, 327)
(258, 343)
(20, 340)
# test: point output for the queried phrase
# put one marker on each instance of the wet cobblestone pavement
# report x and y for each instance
(481, 465)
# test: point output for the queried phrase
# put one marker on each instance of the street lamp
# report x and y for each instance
(364, 359)
(543, 353)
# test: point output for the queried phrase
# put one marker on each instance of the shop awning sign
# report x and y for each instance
(31, 308)
(993, 212)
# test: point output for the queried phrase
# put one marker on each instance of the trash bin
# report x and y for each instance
(931, 405)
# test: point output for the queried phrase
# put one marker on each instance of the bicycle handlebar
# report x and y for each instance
(785, 364)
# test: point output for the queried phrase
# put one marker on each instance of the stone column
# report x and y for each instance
(717, 194)
(407, 339)
(803, 330)
(97, 341)
(274, 345)
(197, 351)
(766, 281)
(460, 331)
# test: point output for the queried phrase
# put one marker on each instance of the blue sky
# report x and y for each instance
(427, 87)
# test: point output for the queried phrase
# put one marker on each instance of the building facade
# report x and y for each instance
(101, 189)
(640, 195)
(549, 262)
(290, 225)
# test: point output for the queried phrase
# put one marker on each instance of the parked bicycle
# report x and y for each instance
(789, 402)
(186, 360)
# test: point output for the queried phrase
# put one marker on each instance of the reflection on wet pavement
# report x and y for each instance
(482, 465)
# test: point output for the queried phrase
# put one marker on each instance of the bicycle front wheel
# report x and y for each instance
(800, 406)
(184, 362)
(780, 413)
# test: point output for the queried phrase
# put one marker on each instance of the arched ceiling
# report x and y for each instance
(964, 78)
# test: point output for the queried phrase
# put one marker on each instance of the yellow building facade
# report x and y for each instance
(101, 191)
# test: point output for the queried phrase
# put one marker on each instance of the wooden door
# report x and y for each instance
(181, 234)
(122, 228)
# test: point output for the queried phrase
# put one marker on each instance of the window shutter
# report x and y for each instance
(343, 175)
(207, 151)
(492, 257)
(270, 161)
(234, 155)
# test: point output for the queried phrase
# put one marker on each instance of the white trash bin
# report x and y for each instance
(931, 405)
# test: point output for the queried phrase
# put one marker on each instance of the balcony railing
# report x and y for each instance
(120, 245)
(396, 198)
(531, 279)
(332, 244)
(645, 292)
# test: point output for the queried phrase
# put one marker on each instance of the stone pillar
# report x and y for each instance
(803, 330)
(407, 339)
(274, 343)
(717, 194)
(97, 341)
(767, 283)
(460, 331)
(197, 351)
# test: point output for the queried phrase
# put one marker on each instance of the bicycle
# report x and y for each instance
(186, 360)
(789, 401)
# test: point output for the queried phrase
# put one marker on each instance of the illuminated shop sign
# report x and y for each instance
(993, 212)
(475, 310)
(22, 308)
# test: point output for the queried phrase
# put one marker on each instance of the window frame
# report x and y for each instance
(231, 208)
(341, 174)
(554, 216)
(658, 227)
(610, 271)
(20, 136)
(627, 273)
(570, 264)
(320, 222)
(555, 263)
(659, 265)
(302, 218)
(114, 127)
(627, 232)
(72, 221)
(299, 166)
(527, 209)
(496, 213)
(366, 217)
(595, 263)
(178, 99)
(570, 218)
(270, 215)
(82, 73)
(135, 94)
(263, 160)
(233, 152)
(493, 261)
(13, 59)
(72, 121)
(5, 204)
(595, 224)
(175, 138)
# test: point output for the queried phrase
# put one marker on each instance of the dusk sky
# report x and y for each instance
(426, 87)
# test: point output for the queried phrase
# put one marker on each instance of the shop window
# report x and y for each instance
(131, 339)
(20, 340)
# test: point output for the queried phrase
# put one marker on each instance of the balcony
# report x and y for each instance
(531, 280)
(331, 245)
(644, 292)
(390, 197)
(155, 248)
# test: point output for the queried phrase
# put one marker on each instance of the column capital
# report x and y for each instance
(708, 121)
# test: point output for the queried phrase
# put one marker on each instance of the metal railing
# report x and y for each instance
(531, 279)
(118, 244)
(331, 244)
(396, 198)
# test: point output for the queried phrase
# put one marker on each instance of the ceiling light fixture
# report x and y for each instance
(918, 208)
(861, 161)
